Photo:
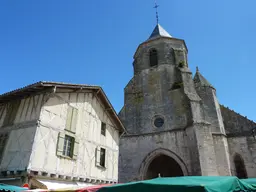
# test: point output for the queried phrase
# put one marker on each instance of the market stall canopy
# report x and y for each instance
(34, 190)
(11, 188)
(251, 181)
(66, 189)
(92, 188)
(184, 184)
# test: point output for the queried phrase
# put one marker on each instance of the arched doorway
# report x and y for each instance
(163, 162)
(164, 166)
(240, 167)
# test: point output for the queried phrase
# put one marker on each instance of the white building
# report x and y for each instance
(56, 135)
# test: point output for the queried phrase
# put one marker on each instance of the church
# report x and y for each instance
(175, 125)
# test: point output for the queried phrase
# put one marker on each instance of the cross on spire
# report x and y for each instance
(156, 6)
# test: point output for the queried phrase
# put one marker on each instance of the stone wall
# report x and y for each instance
(240, 139)
(135, 149)
(211, 108)
(151, 94)
(222, 154)
(246, 148)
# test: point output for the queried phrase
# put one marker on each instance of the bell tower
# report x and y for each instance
(160, 49)
(154, 98)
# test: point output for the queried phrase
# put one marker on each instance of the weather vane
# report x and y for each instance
(156, 6)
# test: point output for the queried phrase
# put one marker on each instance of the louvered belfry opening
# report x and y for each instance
(153, 57)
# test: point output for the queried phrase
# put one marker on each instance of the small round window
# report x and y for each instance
(159, 122)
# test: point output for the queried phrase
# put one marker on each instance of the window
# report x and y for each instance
(103, 128)
(153, 58)
(12, 109)
(159, 122)
(100, 157)
(68, 146)
(3, 142)
(240, 167)
(173, 58)
(71, 119)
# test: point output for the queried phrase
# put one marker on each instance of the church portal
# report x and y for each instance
(164, 166)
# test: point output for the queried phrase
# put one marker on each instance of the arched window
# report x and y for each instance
(153, 57)
(240, 167)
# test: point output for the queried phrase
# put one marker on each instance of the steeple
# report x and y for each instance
(160, 49)
(159, 31)
(200, 80)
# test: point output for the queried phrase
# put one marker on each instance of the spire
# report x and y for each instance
(159, 31)
(156, 6)
(200, 80)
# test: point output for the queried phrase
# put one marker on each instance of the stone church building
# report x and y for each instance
(174, 123)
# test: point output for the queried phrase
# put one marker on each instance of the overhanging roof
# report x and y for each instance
(45, 86)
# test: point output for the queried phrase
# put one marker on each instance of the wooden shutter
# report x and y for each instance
(60, 144)
(69, 118)
(76, 148)
(74, 120)
(97, 156)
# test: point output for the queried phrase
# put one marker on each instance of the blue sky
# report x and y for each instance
(93, 42)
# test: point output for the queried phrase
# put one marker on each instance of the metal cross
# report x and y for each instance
(156, 6)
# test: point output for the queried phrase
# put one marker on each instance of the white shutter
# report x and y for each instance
(74, 120)
(69, 118)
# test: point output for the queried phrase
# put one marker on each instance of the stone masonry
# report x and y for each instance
(174, 123)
